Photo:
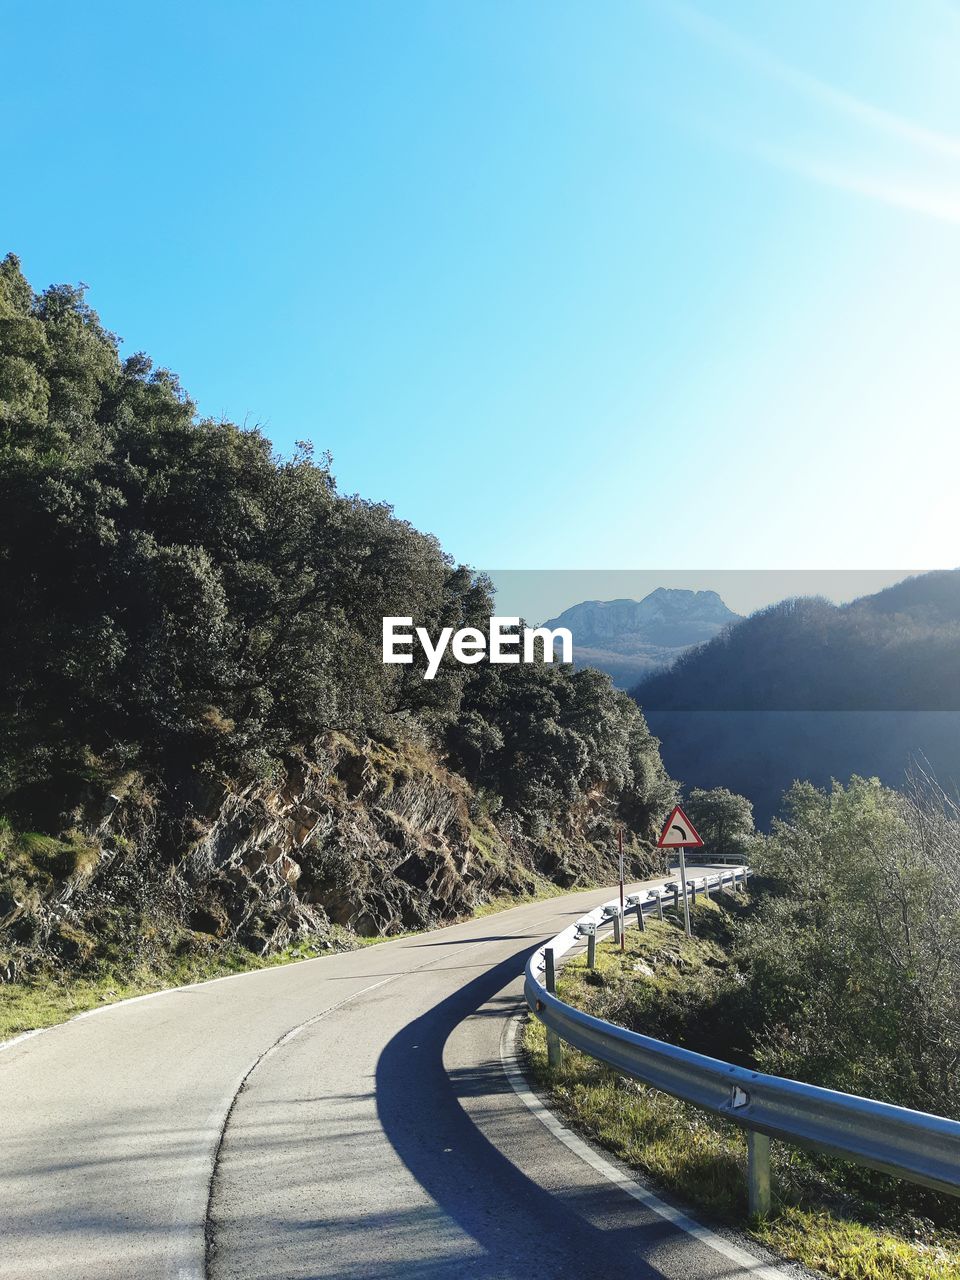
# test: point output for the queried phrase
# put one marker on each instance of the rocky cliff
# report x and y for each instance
(370, 837)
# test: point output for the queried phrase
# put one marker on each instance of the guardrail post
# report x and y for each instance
(676, 899)
(549, 971)
(640, 920)
(693, 893)
(554, 1052)
(659, 907)
(616, 928)
(591, 950)
(758, 1173)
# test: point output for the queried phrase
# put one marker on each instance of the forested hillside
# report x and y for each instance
(898, 650)
(198, 737)
(807, 689)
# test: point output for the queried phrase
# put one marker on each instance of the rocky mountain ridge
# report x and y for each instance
(629, 639)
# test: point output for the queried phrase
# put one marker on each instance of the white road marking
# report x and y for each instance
(509, 1057)
(24, 1035)
(185, 1241)
(184, 1246)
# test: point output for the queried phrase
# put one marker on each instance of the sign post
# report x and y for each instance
(679, 833)
(686, 901)
(623, 921)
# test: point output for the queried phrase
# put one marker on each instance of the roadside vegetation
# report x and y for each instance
(840, 969)
(47, 998)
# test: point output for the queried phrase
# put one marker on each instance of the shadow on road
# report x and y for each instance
(523, 1229)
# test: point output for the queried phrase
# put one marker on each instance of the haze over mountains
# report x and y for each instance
(809, 689)
(630, 639)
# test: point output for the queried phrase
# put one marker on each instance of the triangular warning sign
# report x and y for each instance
(679, 832)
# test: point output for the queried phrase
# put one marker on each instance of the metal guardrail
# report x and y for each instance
(911, 1145)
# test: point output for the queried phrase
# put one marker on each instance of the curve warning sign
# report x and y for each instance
(679, 832)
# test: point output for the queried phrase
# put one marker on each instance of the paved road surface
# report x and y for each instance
(364, 1124)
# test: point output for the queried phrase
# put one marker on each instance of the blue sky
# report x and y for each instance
(630, 286)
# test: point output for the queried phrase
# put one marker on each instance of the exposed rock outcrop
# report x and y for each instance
(374, 838)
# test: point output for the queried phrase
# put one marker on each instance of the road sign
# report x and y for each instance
(679, 832)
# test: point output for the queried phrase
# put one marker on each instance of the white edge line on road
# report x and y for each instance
(188, 1241)
(24, 1035)
(209, 982)
(509, 1057)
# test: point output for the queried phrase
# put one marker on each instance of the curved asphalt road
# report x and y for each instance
(345, 1117)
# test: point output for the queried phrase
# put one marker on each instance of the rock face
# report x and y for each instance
(631, 638)
(378, 840)
(374, 838)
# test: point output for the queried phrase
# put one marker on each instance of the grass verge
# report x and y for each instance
(48, 999)
(540, 891)
(700, 1158)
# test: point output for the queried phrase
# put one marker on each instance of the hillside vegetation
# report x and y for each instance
(845, 971)
(898, 650)
(199, 742)
(808, 689)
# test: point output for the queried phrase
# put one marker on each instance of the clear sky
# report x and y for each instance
(628, 286)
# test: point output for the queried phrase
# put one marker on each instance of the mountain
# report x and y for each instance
(629, 639)
(809, 689)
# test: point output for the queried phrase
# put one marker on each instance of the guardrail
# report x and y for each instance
(911, 1145)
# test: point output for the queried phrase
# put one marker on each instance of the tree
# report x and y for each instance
(853, 960)
(545, 737)
(179, 599)
(723, 819)
(175, 594)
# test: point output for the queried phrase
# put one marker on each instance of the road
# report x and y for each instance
(345, 1117)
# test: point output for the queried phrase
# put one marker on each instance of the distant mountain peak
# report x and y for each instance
(630, 615)
(631, 638)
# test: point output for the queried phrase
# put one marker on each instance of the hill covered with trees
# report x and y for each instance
(198, 736)
(808, 689)
(898, 650)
